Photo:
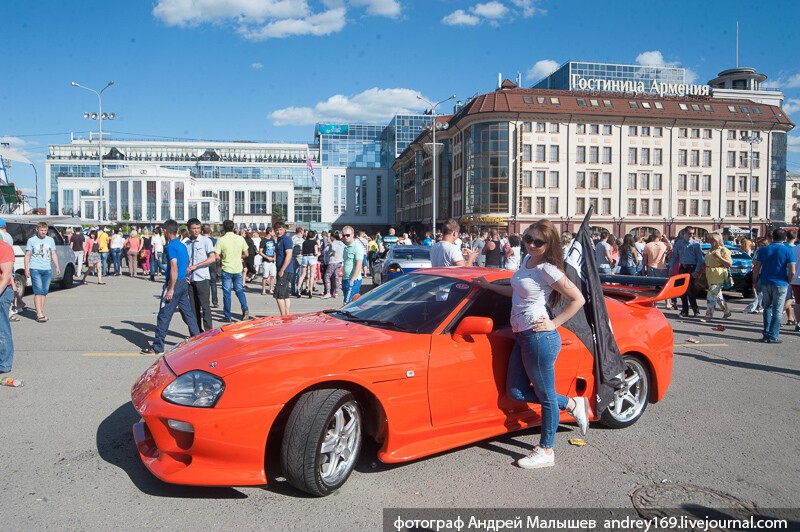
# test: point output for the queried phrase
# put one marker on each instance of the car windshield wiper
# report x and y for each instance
(366, 321)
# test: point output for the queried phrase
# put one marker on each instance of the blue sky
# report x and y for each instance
(269, 69)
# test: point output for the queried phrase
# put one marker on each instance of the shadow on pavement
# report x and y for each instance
(739, 364)
(139, 334)
(115, 445)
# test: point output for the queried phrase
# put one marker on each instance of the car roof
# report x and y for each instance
(411, 248)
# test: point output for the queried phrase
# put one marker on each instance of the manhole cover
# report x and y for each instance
(677, 501)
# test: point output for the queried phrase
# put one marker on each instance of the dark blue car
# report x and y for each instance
(741, 271)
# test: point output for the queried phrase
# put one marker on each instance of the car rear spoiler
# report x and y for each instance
(640, 290)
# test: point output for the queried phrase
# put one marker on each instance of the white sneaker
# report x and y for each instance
(538, 458)
(581, 413)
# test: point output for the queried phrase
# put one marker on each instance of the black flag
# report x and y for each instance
(593, 326)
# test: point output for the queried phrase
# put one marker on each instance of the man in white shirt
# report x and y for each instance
(446, 253)
(201, 257)
(157, 244)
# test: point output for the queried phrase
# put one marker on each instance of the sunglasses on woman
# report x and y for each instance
(535, 241)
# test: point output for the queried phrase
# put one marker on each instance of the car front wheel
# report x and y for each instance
(630, 401)
(322, 441)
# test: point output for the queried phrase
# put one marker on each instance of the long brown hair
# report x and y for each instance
(553, 253)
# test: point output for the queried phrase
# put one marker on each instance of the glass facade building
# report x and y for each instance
(562, 79)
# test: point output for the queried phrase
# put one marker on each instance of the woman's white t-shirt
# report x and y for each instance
(532, 287)
(512, 261)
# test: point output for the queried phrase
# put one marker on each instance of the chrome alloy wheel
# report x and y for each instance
(340, 445)
(630, 401)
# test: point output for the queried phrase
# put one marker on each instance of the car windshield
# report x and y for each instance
(411, 303)
(411, 254)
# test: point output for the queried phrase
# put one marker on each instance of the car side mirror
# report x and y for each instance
(473, 325)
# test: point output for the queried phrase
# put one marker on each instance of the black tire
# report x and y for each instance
(19, 283)
(321, 419)
(69, 276)
(631, 401)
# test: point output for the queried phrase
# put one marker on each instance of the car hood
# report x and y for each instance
(235, 347)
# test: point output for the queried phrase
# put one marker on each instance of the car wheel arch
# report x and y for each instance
(652, 395)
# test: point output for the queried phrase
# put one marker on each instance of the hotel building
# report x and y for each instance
(642, 161)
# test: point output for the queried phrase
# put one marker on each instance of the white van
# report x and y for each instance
(21, 229)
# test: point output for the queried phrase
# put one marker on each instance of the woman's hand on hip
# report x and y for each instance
(543, 324)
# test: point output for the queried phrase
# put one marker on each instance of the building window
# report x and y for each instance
(633, 131)
(594, 154)
(540, 149)
(706, 157)
(645, 156)
(694, 182)
(580, 180)
(238, 202)
(756, 159)
(593, 179)
(540, 127)
(554, 153)
(681, 207)
(645, 131)
(580, 206)
(755, 183)
(553, 206)
(606, 206)
(644, 181)
(695, 133)
(754, 206)
(606, 181)
(526, 152)
(606, 129)
(632, 206)
(553, 127)
(657, 181)
(594, 129)
(607, 155)
(657, 207)
(742, 183)
(731, 134)
(527, 178)
(526, 205)
(258, 201)
(179, 201)
(580, 156)
(695, 158)
(581, 102)
(165, 200)
(731, 159)
(682, 131)
(486, 162)
(742, 159)
(225, 204)
(137, 200)
(730, 183)
(580, 129)
(632, 158)
(360, 196)
(632, 181)
(706, 183)
(658, 131)
(540, 178)
(280, 204)
(693, 207)
(729, 206)
(339, 194)
(151, 200)
(742, 208)
(706, 208)
(378, 194)
(706, 133)
(682, 182)
(527, 127)
(682, 157)
(644, 208)
(539, 205)
(553, 179)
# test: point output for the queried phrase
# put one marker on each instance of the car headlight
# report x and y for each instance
(196, 388)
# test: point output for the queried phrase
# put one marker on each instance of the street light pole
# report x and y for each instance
(433, 160)
(751, 140)
(100, 116)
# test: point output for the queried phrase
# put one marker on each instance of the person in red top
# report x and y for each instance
(133, 243)
(6, 298)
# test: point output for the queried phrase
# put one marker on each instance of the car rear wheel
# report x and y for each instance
(69, 275)
(322, 441)
(630, 401)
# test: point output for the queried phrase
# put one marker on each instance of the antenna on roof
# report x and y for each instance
(737, 44)
(499, 79)
(519, 79)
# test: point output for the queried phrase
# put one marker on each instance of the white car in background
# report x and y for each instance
(400, 260)
(21, 228)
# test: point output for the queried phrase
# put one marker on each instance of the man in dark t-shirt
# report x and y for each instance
(76, 242)
(284, 263)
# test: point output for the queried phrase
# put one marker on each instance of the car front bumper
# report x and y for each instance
(199, 446)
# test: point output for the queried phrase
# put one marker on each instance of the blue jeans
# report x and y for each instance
(40, 279)
(104, 262)
(6, 340)
(179, 301)
(350, 288)
(533, 360)
(235, 280)
(627, 270)
(116, 258)
(155, 264)
(773, 299)
(604, 270)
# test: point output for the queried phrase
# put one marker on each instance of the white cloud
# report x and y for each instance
(656, 58)
(372, 106)
(21, 146)
(266, 19)
(490, 10)
(691, 75)
(541, 69)
(792, 82)
(528, 8)
(791, 106)
(793, 142)
(460, 18)
(257, 66)
(382, 8)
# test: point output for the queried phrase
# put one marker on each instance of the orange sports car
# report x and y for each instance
(418, 364)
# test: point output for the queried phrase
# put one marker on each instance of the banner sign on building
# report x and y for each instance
(579, 83)
(333, 129)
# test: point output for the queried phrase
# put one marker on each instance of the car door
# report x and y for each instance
(467, 376)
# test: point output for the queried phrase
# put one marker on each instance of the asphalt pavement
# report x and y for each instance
(729, 422)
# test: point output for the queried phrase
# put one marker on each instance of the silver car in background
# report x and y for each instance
(400, 260)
